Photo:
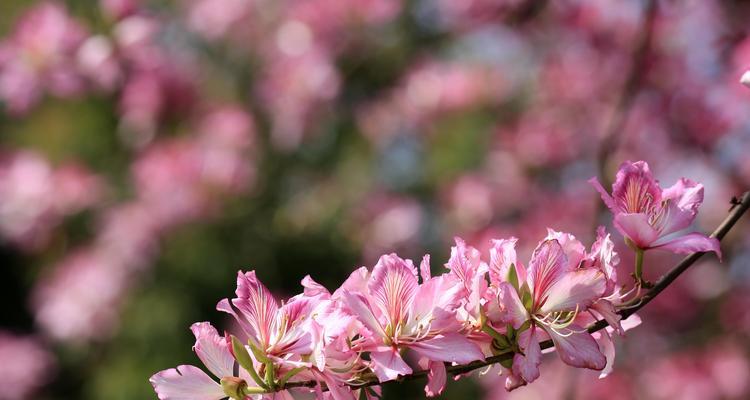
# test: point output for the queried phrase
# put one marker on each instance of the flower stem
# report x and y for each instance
(638, 275)
(639, 265)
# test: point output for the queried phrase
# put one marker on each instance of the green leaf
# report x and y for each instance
(513, 276)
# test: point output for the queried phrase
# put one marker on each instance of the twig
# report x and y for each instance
(735, 213)
(611, 140)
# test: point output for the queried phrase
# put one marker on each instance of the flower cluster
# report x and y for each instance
(381, 324)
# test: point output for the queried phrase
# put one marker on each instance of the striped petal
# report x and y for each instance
(635, 190)
(256, 305)
(547, 266)
(212, 349)
(186, 382)
(392, 287)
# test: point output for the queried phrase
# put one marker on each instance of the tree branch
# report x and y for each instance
(611, 140)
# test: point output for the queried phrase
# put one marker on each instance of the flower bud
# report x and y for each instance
(234, 387)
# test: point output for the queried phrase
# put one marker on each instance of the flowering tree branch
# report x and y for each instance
(738, 209)
(479, 313)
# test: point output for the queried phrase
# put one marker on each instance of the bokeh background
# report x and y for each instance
(150, 149)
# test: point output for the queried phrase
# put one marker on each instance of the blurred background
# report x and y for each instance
(150, 149)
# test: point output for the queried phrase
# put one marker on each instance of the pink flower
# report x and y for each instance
(39, 56)
(398, 314)
(545, 301)
(284, 334)
(187, 382)
(27, 366)
(35, 197)
(654, 218)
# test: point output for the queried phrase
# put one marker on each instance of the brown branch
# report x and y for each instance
(611, 140)
(735, 213)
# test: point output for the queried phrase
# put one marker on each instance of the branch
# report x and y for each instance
(740, 206)
(610, 139)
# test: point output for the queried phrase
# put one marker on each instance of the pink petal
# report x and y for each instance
(608, 200)
(424, 268)
(502, 255)
(690, 243)
(526, 365)
(313, 288)
(441, 293)
(256, 305)
(359, 307)
(574, 250)
(631, 322)
(635, 190)
(355, 283)
(299, 334)
(513, 382)
(186, 382)
(683, 200)
(685, 193)
(464, 262)
(604, 257)
(608, 312)
(436, 379)
(451, 347)
(225, 306)
(337, 390)
(548, 264)
(392, 287)
(512, 309)
(636, 228)
(607, 347)
(212, 349)
(388, 365)
(577, 348)
(578, 288)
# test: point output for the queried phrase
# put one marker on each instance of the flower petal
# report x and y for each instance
(451, 347)
(502, 256)
(186, 382)
(526, 365)
(636, 228)
(635, 190)
(690, 243)
(358, 305)
(574, 250)
(424, 268)
(356, 282)
(607, 347)
(440, 293)
(513, 382)
(298, 334)
(436, 379)
(212, 349)
(683, 200)
(608, 312)
(337, 390)
(576, 289)
(392, 287)
(313, 288)
(604, 257)
(608, 200)
(256, 305)
(388, 365)
(548, 264)
(512, 309)
(577, 348)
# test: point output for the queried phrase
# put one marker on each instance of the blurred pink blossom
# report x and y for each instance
(39, 57)
(27, 366)
(34, 197)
